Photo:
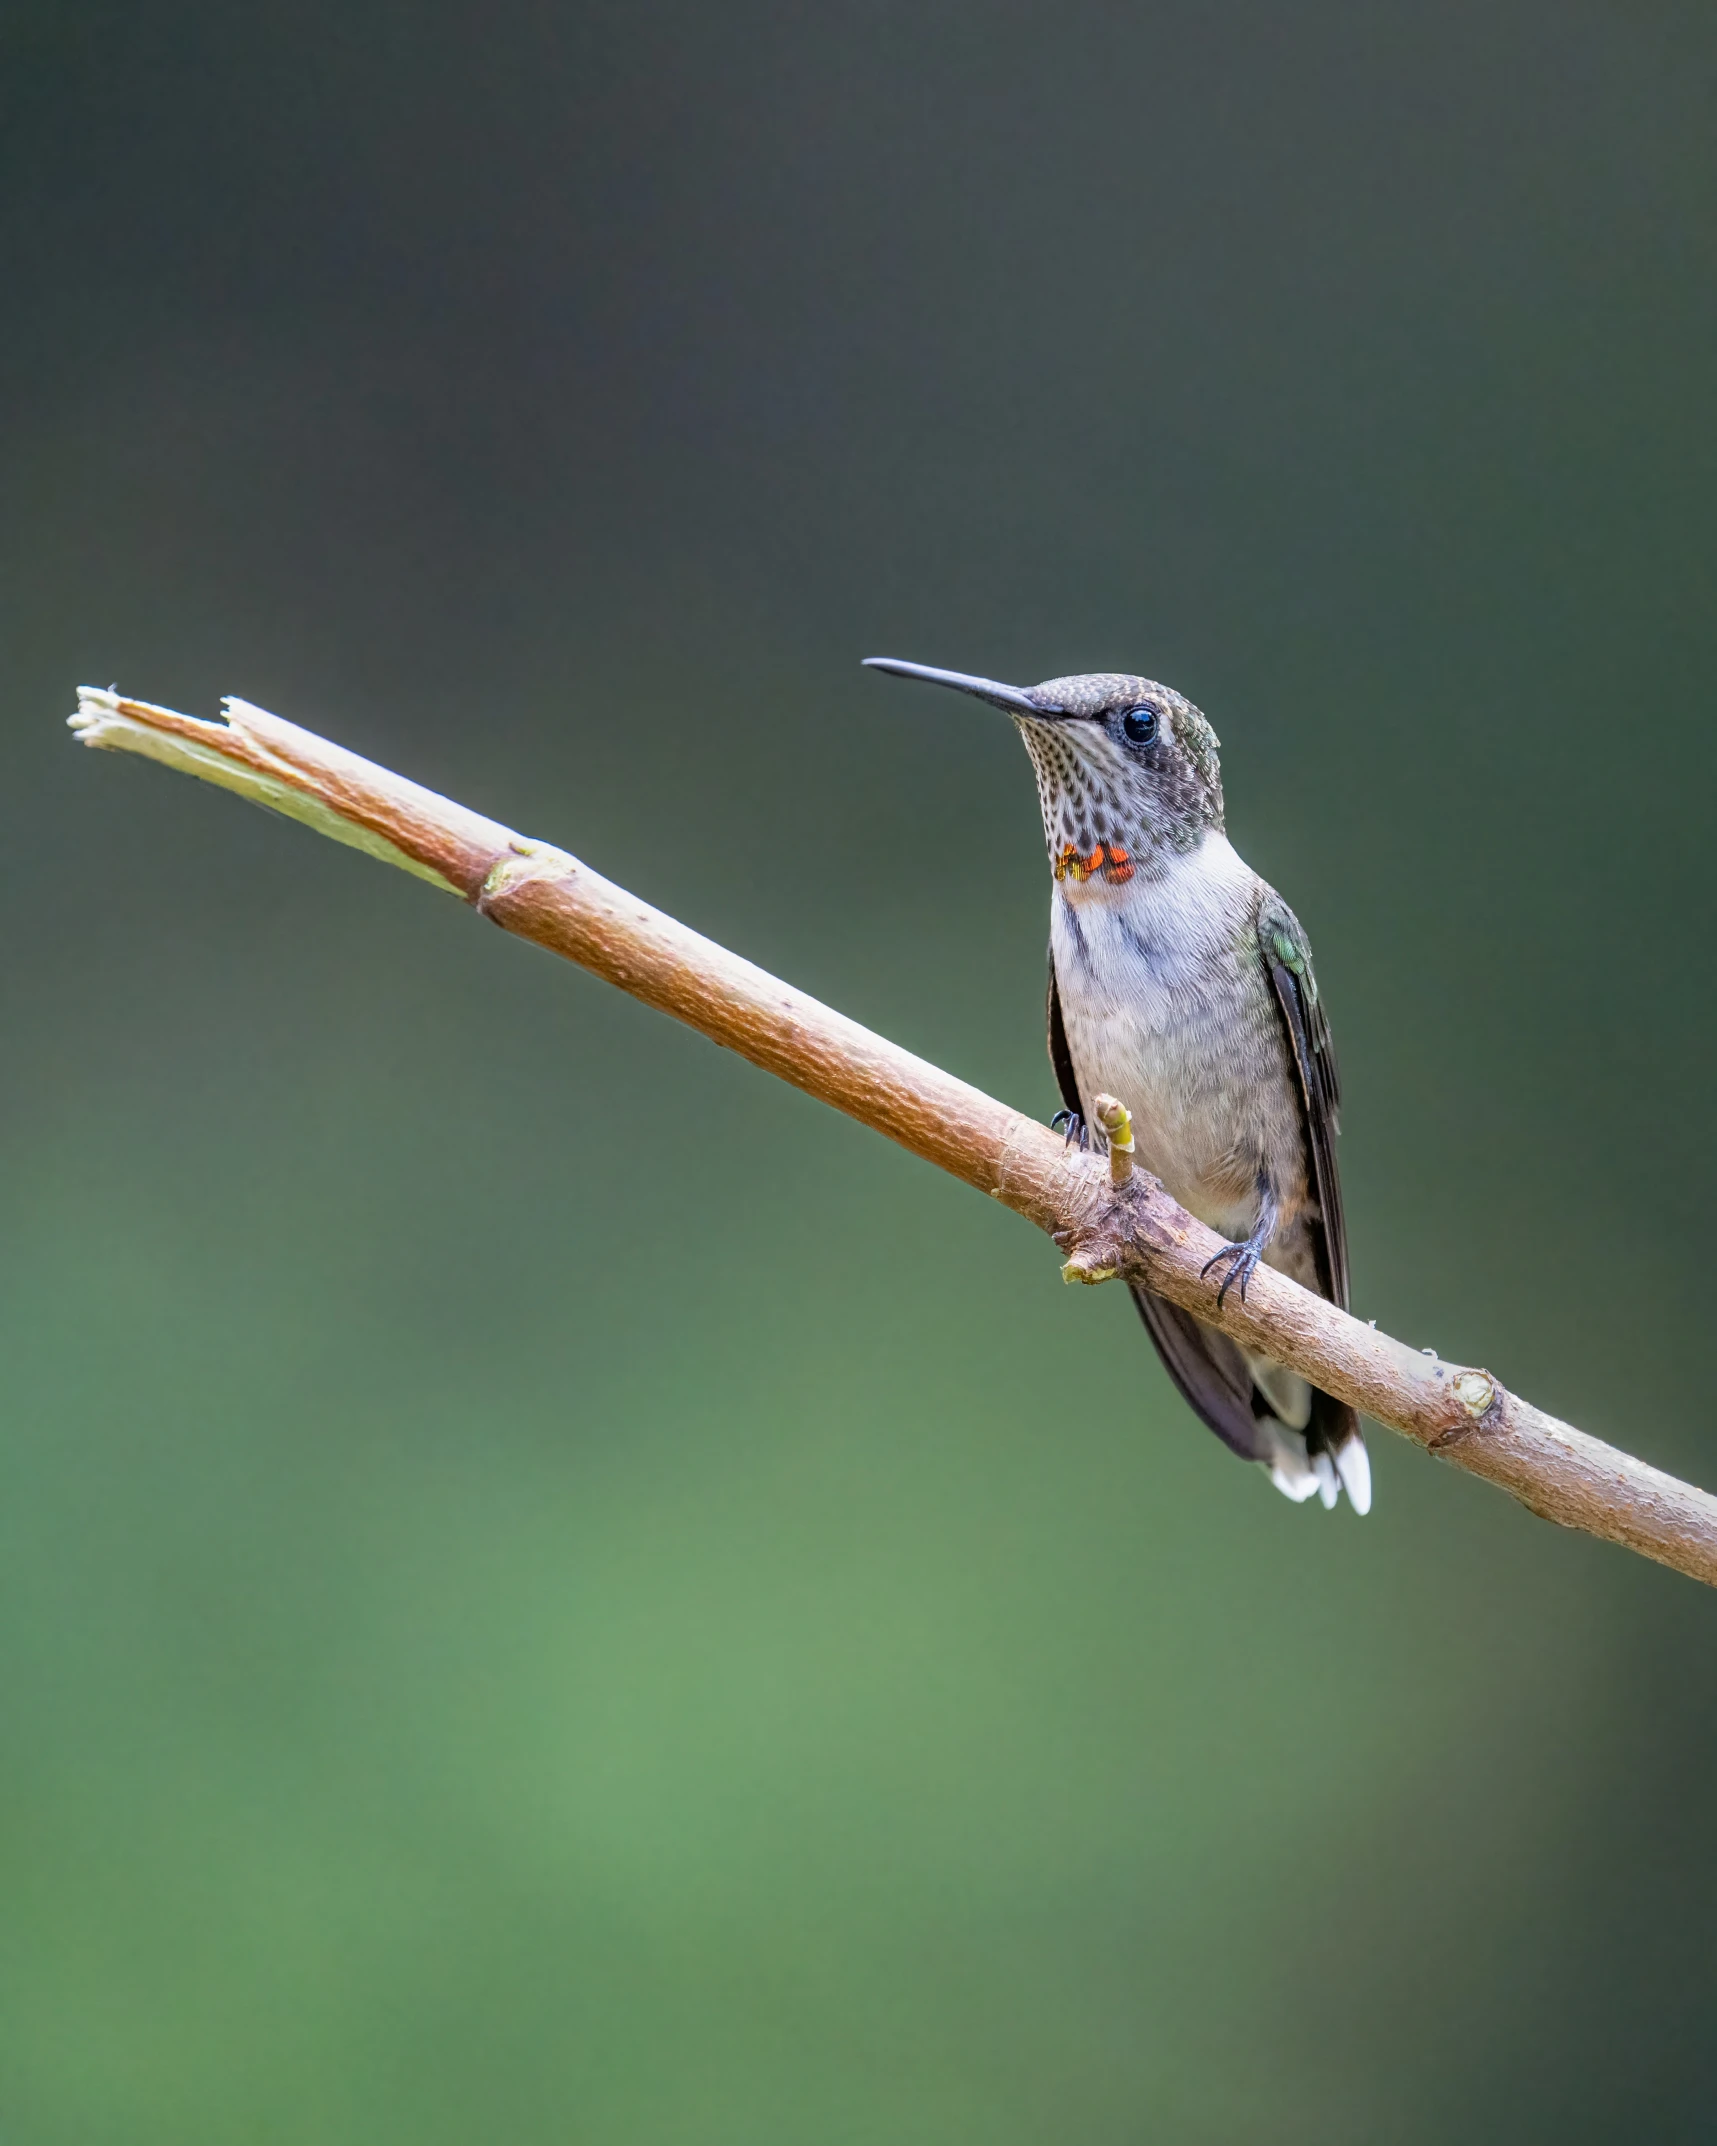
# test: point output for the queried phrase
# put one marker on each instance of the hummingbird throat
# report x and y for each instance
(1079, 819)
(1106, 861)
(1085, 806)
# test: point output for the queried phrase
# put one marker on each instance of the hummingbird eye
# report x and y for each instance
(1139, 725)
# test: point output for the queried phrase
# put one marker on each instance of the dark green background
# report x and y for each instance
(551, 1589)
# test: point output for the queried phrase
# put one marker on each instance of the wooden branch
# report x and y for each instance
(1108, 1223)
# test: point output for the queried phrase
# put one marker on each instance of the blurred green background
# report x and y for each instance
(511, 1631)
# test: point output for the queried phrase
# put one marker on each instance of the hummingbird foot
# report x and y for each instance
(1246, 1252)
(1076, 1129)
(1245, 1258)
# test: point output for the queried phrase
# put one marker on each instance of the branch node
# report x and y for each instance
(1481, 1400)
(520, 861)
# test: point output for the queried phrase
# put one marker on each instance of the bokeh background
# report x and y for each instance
(513, 1628)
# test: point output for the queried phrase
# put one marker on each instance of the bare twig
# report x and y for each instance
(1110, 1220)
(1116, 1121)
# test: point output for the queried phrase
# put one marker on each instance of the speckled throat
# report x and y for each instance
(1105, 811)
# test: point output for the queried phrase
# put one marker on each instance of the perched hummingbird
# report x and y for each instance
(1182, 984)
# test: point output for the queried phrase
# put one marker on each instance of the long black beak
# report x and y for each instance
(1011, 698)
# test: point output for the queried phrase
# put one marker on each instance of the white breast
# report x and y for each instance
(1167, 1007)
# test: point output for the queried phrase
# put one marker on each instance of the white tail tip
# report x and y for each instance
(1290, 1465)
(1354, 1464)
(1300, 1475)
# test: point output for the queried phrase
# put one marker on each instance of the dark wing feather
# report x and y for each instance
(1060, 1057)
(1288, 959)
(1214, 1379)
(1209, 1370)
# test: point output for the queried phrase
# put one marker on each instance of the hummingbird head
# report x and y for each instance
(1127, 770)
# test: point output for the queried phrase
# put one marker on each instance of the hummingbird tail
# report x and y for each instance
(1298, 1467)
(1298, 1471)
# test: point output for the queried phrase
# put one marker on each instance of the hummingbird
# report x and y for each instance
(1182, 984)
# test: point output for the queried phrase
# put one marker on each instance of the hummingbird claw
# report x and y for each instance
(1245, 1258)
(1075, 1128)
(1247, 1251)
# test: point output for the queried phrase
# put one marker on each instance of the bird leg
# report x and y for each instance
(1076, 1128)
(1247, 1253)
